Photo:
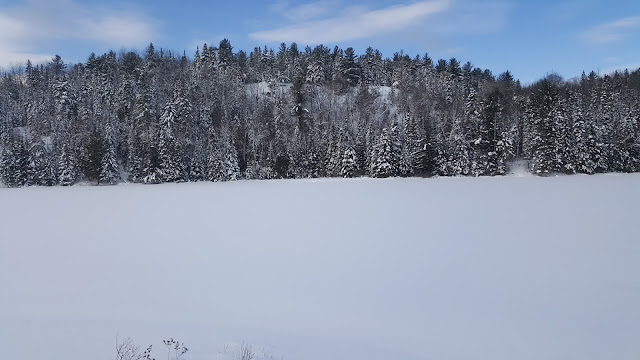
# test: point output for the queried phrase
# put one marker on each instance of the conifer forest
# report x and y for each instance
(222, 115)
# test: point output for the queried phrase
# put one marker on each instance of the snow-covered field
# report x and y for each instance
(442, 269)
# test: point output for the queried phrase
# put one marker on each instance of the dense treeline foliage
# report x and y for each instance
(297, 114)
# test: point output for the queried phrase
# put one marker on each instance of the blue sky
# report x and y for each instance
(529, 38)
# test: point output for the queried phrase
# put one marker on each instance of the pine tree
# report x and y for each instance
(383, 159)
(398, 156)
(564, 146)
(155, 113)
(425, 162)
(152, 165)
(230, 169)
(458, 160)
(91, 161)
(171, 165)
(37, 164)
(491, 146)
(585, 144)
(110, 171)
(66, 166)
(334, 157)
(412, 146)
(542, 111)
(223, 161)
(15, 166)
(349, 163)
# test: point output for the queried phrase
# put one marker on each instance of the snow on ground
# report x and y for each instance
(441, 269)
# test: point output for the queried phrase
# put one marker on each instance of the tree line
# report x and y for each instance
(223, 115)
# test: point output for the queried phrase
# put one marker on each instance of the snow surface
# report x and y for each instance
(449, 268)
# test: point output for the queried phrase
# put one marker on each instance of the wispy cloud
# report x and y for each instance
(303, 12)
(568, 10)
(473, 18)
(612, 32)
(30, 27)
(353, 23)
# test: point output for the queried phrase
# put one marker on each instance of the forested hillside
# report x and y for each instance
(295, 113)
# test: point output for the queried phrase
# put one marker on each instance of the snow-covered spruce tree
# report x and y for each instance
(564, 147)
(15, 163)
(92, 155)
(542, 110)
(601, 108)
(223, 160)
(425, 161)
(584, 137)
(412, 145)
(67, 167)
(382, 164)
(151, 165)
(349, 163)
(622, 135)
(197, 160)
(140, 137)
(477, 131)
(171, 165)
(57, 103)
(300, 157)
(492, 142)
(42, 167)
(231, 170)
(37, 164)
(351, 71)
(398, 155)
(458, 160)
(334, 156)
(214, 162)
(135, 159)
(315, 163)
(631, 137)
(110, 171)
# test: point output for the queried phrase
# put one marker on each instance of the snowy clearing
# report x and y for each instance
(439, 269)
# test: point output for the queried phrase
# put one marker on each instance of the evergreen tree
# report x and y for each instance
(349, 163)
(110, 171)
(37, 164)
(91, 161)
(383, 164)
(585, 145)
(542, 111)
(15, 166)
(152, 165)
(300, 113)
(67, 168)
(223, 161)
(490, 146)
(398, 156)
(170, 153)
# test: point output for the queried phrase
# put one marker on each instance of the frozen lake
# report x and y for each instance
(505, 268)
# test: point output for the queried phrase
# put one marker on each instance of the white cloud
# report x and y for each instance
(18, 59)
(355, 23)
(474, 18)
(125, 30)
(36, 24)
(303, 12)
(307, 11)
(614, 31)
